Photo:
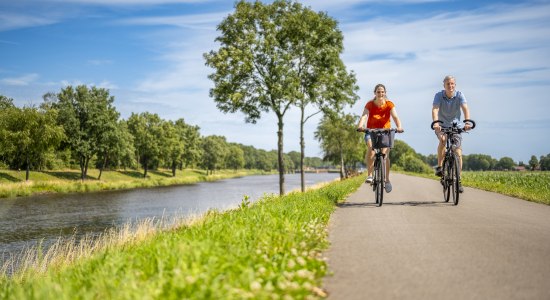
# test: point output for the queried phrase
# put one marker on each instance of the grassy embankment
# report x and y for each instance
(270, 249)
(13, 184)
(532, 186)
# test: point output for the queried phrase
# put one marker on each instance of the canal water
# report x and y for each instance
(27, 221)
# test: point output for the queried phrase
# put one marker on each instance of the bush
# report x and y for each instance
(411, 163)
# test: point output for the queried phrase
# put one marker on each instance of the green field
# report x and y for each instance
(13, 184)
(271, 249)
(532, 186)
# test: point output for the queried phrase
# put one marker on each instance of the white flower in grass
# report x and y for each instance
(301, 261)
(294, 251)
(303, 273)
(291, 264)
(255, 286)
(261, 270)
(190, 279)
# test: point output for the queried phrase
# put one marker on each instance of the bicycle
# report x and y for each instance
(381, 138)
(450, 178)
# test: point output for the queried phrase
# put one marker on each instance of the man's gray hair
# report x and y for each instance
(448, 77)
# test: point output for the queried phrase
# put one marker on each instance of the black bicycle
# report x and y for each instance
(450, 177)
(381, 138)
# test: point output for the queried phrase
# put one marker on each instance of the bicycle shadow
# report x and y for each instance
(401, 203)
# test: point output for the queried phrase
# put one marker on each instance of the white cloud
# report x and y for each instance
(10, 21)
(20, 81)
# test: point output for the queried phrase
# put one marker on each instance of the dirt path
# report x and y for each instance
(417, 247)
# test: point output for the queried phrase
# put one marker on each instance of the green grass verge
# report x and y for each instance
(531, 186)
(13, 184)
(271, 249)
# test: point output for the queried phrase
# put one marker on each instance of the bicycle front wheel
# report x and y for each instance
(380, 172)
(445, 179)
(455, 181)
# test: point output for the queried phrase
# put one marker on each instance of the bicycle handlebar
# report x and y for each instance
(472, 123)
(368, 130)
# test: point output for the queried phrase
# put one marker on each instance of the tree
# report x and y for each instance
(315, 43)
(253, 67)
(505, 163)
(214, 152)
(235, 158)
(340, 141)
(147, 130)
(88, 117)
(533, 163)
(28, 133)
(192, 143)
(6, 102)
(172, 145)
(544, 162)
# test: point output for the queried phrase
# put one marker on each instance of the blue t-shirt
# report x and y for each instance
(449, 108)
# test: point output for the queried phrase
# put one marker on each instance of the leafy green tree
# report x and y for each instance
(172, 146)
(28, 133)
(88, 117)
(254, 68)
(5, 102)
(235, 158)
(544, 162)
(214, 152)
(505, 163)
(340, 141)
(147, 131)
(315, 42)
(533, 163)
(478, 162)
(118, 149)
(192, 151)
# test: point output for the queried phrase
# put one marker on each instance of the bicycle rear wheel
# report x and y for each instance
(445, 180)
(456, 182)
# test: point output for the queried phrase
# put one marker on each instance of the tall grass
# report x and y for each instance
(270, 249)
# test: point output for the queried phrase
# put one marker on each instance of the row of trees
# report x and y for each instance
(81, 127)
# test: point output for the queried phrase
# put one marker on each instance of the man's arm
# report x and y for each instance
(466, 112)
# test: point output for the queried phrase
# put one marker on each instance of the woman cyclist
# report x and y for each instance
(377, 114)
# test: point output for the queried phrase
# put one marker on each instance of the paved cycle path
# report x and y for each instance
(417, 247)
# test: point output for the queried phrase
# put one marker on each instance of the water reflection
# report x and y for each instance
(28, 220)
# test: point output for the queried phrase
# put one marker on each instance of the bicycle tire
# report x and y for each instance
(456, 176)
(445, 180)
(380, 182)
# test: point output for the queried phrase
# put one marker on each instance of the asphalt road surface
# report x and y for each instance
(417, 247)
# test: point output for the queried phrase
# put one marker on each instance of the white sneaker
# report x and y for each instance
(388, 187)
(369, 179)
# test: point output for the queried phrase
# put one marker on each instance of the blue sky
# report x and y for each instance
(148, 53)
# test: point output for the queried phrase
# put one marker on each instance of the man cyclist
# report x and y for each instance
(447, 106)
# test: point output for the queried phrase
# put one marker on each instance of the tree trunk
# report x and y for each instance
(145, 168)
(102, 167)
(28, 169)
(81, 163)
(302, 150)
(280, 125)
(86, 167)
(342, 163)
(174, 166)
